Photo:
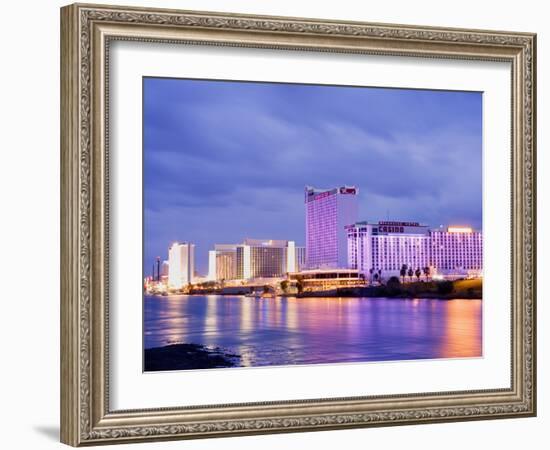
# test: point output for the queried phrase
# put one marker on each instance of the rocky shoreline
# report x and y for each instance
(187, 357)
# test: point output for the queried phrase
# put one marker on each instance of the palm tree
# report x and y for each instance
(371, 270)
(380, 275)
(410, 273)
(299, 286)
(426, 272)
(403, 272)
(284, 285)
(418, 272)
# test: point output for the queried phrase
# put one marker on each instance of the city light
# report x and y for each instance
(455, 229)
(369, 253)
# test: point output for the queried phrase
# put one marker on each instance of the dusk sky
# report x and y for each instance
(227, 160)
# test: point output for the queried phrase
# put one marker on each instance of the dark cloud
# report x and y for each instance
(227, 160)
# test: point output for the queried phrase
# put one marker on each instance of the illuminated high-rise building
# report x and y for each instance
(254, 258)
(386, 246)
(290, 257)
(265, 258)
(164, 268)
(222, 262)
(328, 211)
(300, 258)
(257, 260)
(181, 264)
(456, 249)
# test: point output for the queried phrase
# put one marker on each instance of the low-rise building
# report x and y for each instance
(327, 279)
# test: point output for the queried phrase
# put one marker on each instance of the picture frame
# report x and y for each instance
(87, 32)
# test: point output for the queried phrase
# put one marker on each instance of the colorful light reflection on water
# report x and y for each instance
(286, 331)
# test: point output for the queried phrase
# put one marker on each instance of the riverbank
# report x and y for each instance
(445, 290)
(438, 289)
(187, 357)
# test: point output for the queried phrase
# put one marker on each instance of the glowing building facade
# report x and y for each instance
(181, 265)
(456, 249)
(300, 259)
(259, 258)
(222, 262)
(164, 269)
(387, 246)
(327, 214)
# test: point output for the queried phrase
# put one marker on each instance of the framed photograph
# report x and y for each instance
(276, 224)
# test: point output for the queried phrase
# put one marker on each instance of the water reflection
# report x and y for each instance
(285, 331)
(463, 329)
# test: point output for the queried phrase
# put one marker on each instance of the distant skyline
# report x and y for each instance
(226, 160)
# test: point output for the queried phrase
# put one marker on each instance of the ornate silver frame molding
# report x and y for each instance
(86, 33)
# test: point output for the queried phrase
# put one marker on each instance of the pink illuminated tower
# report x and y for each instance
(328, 211)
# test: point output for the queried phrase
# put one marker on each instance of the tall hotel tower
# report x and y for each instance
(181, 264)
(327, 214)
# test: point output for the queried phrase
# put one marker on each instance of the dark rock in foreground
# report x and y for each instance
(186, 357)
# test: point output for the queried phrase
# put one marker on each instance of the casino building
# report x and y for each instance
(328, 211)
(386, 246)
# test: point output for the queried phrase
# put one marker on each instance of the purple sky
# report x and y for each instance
(227, 160)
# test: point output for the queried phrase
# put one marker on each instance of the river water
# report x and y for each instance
(287, 331)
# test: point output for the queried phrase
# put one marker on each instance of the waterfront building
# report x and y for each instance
(386, 246)
(164, 269)
(300, 259)
(291, 257)
(296, 257)
(265, 258)
(211, 265)
(222, 262)
(326, 279)
(254, 258)
(181, 265)
(328, 211)
(456, 250)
